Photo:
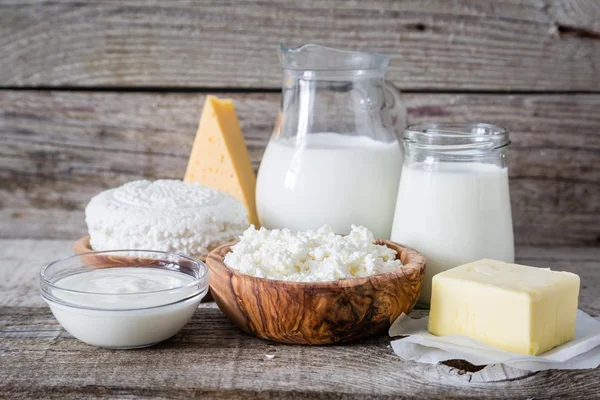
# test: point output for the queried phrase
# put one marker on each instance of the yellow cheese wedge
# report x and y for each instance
(219, 157)
(513, 307)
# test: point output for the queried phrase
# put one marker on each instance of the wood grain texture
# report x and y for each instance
(317, 312)
(210, 358)
(434, 44)
(58, 149)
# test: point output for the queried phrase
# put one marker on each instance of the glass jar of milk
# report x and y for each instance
(334, 157)
(453, 201)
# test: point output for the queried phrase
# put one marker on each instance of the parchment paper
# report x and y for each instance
(421, 346)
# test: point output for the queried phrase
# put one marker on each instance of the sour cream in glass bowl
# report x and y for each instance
(124, 299)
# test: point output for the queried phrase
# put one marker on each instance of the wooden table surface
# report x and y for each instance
(210, 358)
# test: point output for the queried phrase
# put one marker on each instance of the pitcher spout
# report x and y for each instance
(321, 58)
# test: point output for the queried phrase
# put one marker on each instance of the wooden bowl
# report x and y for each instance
(82, 245)
(316, 312)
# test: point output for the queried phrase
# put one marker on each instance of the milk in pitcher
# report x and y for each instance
(331, 179)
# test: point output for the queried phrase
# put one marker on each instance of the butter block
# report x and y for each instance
(219, 157)
(520, 309)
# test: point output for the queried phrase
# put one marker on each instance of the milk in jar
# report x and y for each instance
(453, 200)
(332, 179)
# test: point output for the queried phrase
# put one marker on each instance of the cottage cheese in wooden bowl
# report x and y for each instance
(314, 287)
(311, 256)
(164, 215)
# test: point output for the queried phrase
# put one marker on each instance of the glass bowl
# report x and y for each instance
(124, 299)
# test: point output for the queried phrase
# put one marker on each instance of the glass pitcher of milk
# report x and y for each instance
(334, 157)
(453, 202)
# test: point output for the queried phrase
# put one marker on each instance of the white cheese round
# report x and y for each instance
(311, 256)
(164, 215)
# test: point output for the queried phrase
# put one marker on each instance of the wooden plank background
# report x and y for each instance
(94, 94)
(434, 44)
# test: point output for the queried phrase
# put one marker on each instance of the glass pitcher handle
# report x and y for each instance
(397, 108)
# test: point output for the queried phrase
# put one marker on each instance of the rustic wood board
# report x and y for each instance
(434, 44)
(210, 358)
(58, 149)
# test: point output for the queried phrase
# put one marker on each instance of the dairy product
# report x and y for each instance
(454, 213)
(516, 308)
(166, 215)
(329, 178)
(219, 157)
(120, 284)
(311, 256)
(125, 307)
